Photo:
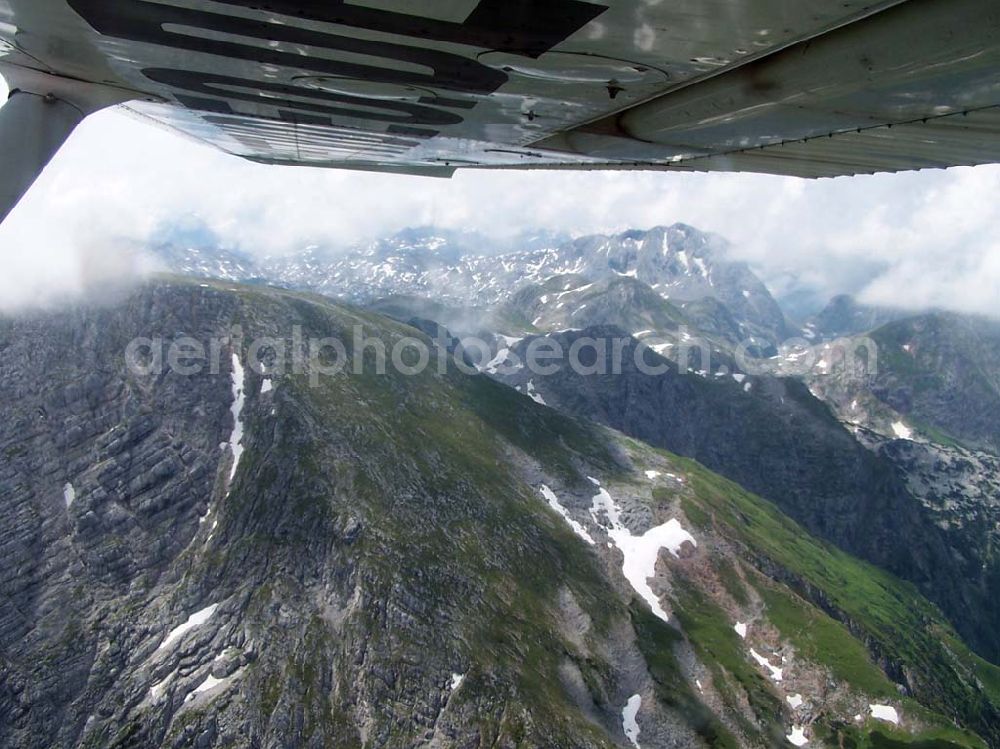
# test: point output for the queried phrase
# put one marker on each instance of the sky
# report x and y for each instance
(913, 240)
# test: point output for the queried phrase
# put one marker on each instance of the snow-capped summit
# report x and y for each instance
(680, 263)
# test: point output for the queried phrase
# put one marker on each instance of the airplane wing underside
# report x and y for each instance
(812, 88)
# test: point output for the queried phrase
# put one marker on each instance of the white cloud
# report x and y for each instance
(931, 236)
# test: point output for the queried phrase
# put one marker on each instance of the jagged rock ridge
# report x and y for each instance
(256, 558)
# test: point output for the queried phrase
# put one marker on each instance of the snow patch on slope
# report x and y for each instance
(210, 682)
(798, 736)
(236, 437)
(554, 503)
(776, 673)
(902, 431)
(503, 352)
(639, 552)
(533, 394)
(885, 713)
(195, 620)
(629, 724)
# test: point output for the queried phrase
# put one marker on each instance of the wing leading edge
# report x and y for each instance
(813, 88)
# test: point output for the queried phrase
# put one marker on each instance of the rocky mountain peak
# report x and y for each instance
(679, 263)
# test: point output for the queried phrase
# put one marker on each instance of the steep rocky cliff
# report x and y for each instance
(264, 558)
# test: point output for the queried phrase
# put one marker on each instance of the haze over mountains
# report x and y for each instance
(685, 268)
(681, 264)
(670, 288)
(470, 268)
(769, 545)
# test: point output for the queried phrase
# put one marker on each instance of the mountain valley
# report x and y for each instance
(757, 545)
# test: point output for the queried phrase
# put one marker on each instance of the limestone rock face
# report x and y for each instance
(241, 555)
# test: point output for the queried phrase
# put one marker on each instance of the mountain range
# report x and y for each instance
(828, 461)
(680, 264)
(264, 559)
(768, 545)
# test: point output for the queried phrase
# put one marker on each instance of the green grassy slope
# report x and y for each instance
(417, 497)
(839, 603)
